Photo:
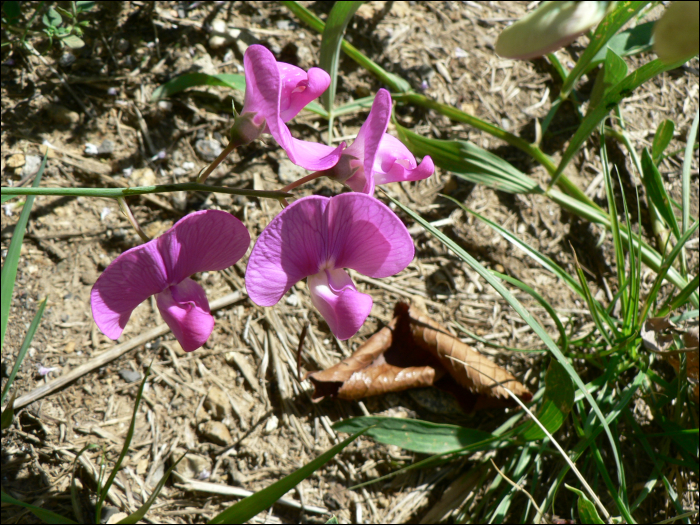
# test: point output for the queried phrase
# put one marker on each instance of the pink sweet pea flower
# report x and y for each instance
(316, 237)
(376, 157)
(275, 93)
(206, 240)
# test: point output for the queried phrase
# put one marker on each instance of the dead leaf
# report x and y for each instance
(414, 351)
(652, 334)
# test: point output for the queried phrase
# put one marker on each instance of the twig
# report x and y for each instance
(111, 355)
(517, 487)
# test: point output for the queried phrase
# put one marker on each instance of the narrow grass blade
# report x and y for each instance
(626, 43)
(354, 106)
(685, 183)
(654, 185)
(394, 82)
(24, 348)
(337, 21)
(470, 162)
(44, 515)
(591, 303)
(556, 405)
(138, 515)
(522, 312)
(415, 435)
(686, 293)
(679, 300)
(9, 269)
(249, 507)
(662, 138)
(605, 31)
(587, 512)
(614, 70)
(113, 193)
(564, 339)
(615, 95)
(5, 198)
(188, 80)
(8, 414)
(125, 449)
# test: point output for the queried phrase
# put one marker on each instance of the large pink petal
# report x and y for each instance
(395, 163)
(262, 84)
(311, 156)
(367, 236)
(185, 309)
(129, 280)
(299, 88)
(207, 240)
(344, 308)
(292, 247)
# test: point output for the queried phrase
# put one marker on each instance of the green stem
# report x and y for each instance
(231, 146)
(303, 180)
(113, 193)
(134, 223)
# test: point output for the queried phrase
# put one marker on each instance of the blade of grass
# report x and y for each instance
(623, 89)
(524, 314)
(24, 348)
(614, 70)
(586, 509)
(679, 300)
(685, 186)
(654, 185)
(249, 507)
(44, 515)
(113, 193)
(662, 138)
(591, 302)
(337, 21)
(125, 449)
(9, 268)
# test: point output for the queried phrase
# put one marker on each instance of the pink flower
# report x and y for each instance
(376, 157)
(202, 241)
(316, 237)
(275, 93)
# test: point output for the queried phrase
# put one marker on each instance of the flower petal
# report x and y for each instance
(396, 163)
(299, 88)
(185, 309)
(365, 235)
(292, 247)
(344, 308)
(129, 280)
(263, 95)
(206, 240)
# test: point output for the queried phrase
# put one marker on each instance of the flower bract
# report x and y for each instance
(275, 93)
(207, 240)
(375, 157)
(318, 237)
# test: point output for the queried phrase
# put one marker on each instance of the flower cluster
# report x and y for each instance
(315, 237)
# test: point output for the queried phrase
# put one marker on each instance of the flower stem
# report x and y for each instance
(127, 211)
(231, 146)
(303, 180)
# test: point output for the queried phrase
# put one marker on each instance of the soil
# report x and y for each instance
(266, 425)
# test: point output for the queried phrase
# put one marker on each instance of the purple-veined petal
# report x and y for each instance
(335, 297)
(207, 240)
(185, 309)
(367, 236)
(129, 280)
(292, 247)
(395, 163)
(299, 88)
(263, 95)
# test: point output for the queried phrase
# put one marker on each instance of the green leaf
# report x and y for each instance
(523, 313)
(654, 185)
(354, 106)
(44, 515)
(610, 100)
(687, 162)
(12, 12)
(5, 198)
(84, 5)
(614, 70)
(23, 349)
(558, 402)
(138, 515)
(337, 21)
(595, 313)
(73, 41)
(415, 435)
(333, 520)
(9, 413)
(52, 18)
(9, 269)
(245, 509)
(587, 513)
(188, 80)
(626, 43)
(602, 35)
(662, 138)
(469, 162)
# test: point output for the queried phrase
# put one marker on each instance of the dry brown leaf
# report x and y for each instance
(414, 351)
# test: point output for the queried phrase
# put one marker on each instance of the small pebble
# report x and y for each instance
(130, 376)
(91, 149)
(106, 148)
(208, 149)
(217, 433)
(31, 165)
(66, 60)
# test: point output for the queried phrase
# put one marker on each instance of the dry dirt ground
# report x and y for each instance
(259, 423)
